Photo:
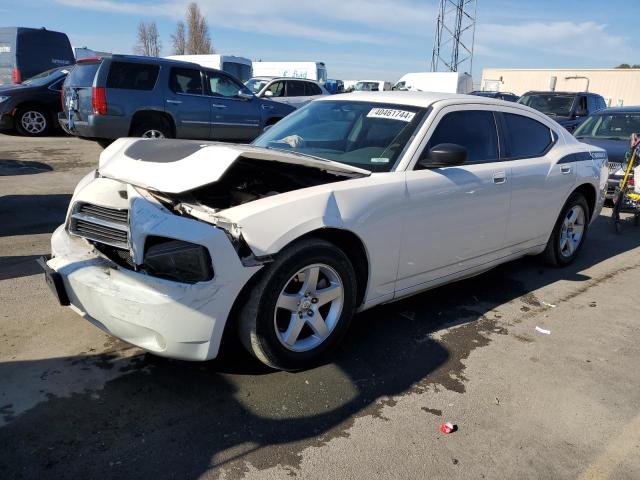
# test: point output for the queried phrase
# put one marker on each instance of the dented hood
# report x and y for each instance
(175, 166)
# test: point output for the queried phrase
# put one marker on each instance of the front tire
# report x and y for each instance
(569, 232)
(301, 306)
(32, 121)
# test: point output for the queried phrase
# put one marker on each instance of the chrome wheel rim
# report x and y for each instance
(153, 134)
(308, 307)
(33, 122)
(572, 231)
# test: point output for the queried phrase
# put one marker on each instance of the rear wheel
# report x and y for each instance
(156, 128)
(301, 307)
(569, 232)
(32, 121)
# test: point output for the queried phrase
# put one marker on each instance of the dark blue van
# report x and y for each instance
(26, 52)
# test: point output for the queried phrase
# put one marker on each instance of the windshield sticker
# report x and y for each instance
(380, 160)
(392, 114)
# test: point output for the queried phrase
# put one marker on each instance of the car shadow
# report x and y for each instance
(19, 266)
(10, 168)
(32, 214)
(173, 419)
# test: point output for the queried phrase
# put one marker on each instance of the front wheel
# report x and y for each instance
(301, 306)
(32, 121)
(569, 232)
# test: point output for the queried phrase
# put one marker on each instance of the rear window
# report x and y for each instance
(83, 74)
(132, 76)
(295, 89)
(312, 89)
(525, 137)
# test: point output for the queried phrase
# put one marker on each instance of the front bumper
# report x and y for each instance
(172, 319)
(6, 121)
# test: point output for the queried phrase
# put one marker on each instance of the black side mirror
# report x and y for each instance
(443, 155)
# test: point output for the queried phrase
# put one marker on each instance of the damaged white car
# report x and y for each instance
(350, 202)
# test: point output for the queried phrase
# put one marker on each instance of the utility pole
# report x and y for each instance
(455, 34)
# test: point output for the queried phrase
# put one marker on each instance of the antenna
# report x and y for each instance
(455, 35)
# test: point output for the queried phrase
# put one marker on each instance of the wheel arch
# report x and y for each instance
(151, 115)
(34, 104)
(590, 194)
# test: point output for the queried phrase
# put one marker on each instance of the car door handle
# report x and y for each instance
(267, 107)
(565, 169)
(499, 177)
(217, 105)
(175, 102)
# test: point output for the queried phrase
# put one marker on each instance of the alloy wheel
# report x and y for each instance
(572, 231)
(309, 307)
(153, 134)
(33, 122)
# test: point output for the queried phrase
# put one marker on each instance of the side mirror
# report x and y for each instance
(444, 155)
(268, 93)
(243, 95)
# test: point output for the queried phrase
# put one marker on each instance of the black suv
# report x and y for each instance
(125, 95)
(32, 106)
(569, 109)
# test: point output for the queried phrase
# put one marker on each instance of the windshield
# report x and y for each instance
(366, 87)
(560, 105)
(361, 134)
(47, 77)
(400, 86)
(615, 126)
(256, 84)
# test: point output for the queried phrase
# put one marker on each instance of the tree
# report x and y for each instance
(148, 42)
(198, 40)
(626, 65)
(179, 41)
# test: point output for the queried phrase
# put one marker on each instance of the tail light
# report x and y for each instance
(16, 75)
(99, 100)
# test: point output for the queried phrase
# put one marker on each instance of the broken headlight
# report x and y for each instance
(177, 260)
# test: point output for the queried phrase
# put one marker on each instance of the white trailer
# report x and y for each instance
(309, 70)
(239, 67)
(444, 82)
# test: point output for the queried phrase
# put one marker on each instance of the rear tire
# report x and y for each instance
(32, 121)
(154, 128)
(568, 233)
(309, 326)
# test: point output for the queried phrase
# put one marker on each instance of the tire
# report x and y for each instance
(265, 327)
(104, 142)
(562, 247)
(154, 128)
(32, 121)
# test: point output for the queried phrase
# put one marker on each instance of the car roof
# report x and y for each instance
(628, 109)
(417, 99)
(548, 92)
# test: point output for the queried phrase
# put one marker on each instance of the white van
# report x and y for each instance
(308, 70)
(371, 86)
(239, 67)
(445, 82)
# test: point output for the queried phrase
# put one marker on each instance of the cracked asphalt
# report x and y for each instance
(76, 403)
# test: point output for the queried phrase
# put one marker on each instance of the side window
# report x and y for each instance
(295, 89)
(222, 85)
(185, 80)
(525, 137)
(311, 89)
(582, 103)
(132, 76)
(277, 89)
(473, 129)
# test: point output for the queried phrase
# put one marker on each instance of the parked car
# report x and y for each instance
(168, 241)
(32, 107)
(611, 129)
(292, 91)
(507, 96)
(26, 52)
(445, 82)
(371, 86)
(569, 109)
(130, 96)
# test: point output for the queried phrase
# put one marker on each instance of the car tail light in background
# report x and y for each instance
(16, 75)
(99, 100)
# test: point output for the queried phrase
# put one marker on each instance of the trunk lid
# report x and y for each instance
(176, 166)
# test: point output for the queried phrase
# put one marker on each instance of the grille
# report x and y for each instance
(614, 167)
(101, 224)
(105, 213)
(117, 255)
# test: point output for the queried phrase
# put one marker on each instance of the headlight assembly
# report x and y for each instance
(177, 260)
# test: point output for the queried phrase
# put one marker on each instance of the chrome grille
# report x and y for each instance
(614, 167)
(101, 224)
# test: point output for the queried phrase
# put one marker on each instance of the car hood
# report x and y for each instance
(176, 166)
(9, 88)
(616, 149)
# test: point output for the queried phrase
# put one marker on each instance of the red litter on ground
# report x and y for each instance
(447, 428)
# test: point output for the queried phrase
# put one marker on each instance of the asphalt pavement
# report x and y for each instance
(76, 403)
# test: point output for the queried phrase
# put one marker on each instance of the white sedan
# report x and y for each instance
(347, 203)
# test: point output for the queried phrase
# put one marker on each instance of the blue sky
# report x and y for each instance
(357, 38)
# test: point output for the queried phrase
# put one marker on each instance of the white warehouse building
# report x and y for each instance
(618, 86)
